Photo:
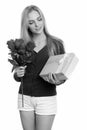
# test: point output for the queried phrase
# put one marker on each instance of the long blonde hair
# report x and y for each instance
(26, 35)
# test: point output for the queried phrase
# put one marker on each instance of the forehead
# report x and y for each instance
(33, 15)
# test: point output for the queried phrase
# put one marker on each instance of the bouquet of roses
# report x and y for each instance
(20, 53)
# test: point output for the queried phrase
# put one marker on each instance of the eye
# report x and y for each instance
(39, 19)
(30, 22)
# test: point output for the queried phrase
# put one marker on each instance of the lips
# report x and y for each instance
(38, 28)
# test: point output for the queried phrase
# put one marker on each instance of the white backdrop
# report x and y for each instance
(66, 19)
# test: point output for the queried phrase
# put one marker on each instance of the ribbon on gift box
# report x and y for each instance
(59, 67)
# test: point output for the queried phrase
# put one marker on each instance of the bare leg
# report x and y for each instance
(28, 120)
(44, 122)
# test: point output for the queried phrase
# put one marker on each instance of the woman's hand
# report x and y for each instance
(20, 71)
(53, 79)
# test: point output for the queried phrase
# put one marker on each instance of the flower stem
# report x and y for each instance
(22, 92)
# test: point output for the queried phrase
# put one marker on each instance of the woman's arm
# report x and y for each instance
(60, 49)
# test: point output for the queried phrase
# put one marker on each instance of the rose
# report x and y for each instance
(19, 44)
(16, 45)
(11, 45)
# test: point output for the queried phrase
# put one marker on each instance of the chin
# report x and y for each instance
(38, 32)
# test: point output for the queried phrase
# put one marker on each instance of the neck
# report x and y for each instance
(38, 38)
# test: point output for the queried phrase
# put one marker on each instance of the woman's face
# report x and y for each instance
(35, 22)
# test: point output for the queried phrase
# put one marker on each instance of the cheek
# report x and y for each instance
(31, 27)
(41, 23)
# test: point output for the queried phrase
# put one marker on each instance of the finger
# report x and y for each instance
(55, 78)
(21, 72)
(20, 75)
(51, 78)
(21, 68)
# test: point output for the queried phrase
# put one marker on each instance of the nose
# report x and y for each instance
(36, 24)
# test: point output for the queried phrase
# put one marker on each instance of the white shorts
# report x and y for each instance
(40, 105)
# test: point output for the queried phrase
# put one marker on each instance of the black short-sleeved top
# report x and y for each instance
(33, 84)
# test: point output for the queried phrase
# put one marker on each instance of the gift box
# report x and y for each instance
(59, 67)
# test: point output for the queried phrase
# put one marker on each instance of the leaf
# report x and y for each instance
(13, 62)
(13, 68)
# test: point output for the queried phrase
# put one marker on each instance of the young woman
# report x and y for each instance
(40, 103)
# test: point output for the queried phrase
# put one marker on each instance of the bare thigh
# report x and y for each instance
(28, 120)
(44, 122)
